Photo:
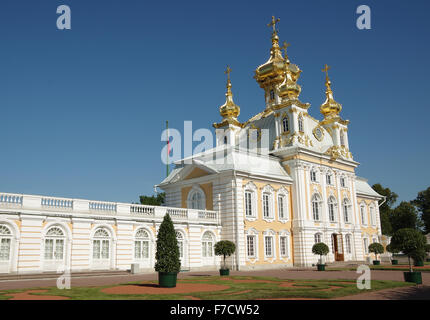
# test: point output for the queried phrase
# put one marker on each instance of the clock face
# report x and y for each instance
(318, 133)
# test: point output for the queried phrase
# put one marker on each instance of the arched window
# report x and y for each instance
(342, 138)
(346, 209)
(141, 245)
(180, 239)
(316, 207)
(266, 205)
(332, 209)
(329, 179)
(54, 244)
(301, 123)
(372, 216)
(196, 199)
(5, 243)
(272, 94)
(313, 175)
(285, 124)
(101, 244)
(318, 237)
(348, 243)
(363, 214)
(207, 245)
(342, 182)
(282, 207)
(366, 245)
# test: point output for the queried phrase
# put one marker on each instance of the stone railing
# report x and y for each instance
(32, 203)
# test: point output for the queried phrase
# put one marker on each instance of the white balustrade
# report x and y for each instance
(84, 207)
(177, 212)
(142, 210)
(57, 203)
(102, 206)
(11, 199)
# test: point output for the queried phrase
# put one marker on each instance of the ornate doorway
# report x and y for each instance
(337, 246)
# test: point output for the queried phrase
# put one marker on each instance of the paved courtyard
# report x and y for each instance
(414, 292)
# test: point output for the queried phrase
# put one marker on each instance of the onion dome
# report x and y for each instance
(289, 88)
(273, 70)
(229, 110)
(330, 108)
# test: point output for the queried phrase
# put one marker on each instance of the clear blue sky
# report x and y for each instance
(82, 111)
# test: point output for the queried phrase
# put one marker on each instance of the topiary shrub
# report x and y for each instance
(320, 249)
(167, 254)
(392, 250)
(224, 248)
(409, 241)
(376, 248)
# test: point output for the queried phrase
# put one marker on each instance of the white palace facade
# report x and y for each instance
(292, 184)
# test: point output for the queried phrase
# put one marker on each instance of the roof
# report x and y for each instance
(227, 158)
(365, 189)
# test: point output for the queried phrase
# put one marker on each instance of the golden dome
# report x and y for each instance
(330, 107)
(289, 88)
(229, 110)
(273, 70)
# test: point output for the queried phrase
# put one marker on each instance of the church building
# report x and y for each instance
(274, 185)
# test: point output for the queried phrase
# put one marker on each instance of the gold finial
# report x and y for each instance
(227, 72)
(326, 69)
(330, 107)
(284, 47)
(273, 23)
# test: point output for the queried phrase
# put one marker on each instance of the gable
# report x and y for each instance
(196, 173)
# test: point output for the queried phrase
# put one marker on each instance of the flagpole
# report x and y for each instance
(168, 148)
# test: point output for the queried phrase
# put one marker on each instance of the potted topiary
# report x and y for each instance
(376, 248)
(168, 264)
(393, 251)
(418, 257)
(409, 241)
(427, 248)
(320, 249)
(224, 248)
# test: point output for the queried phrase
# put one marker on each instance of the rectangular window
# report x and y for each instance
(348, 244)
(145, 249)
(250, 240)
(342, 182)
(96, 249)
(372, 216)
(268, 246)
(137, 249)
(328, 179)
(266, 213)
(281, 207)
(49, 249)
(366, 246)
(105, 249)
(59, 249)
(5, 249)
(248, 204)
(283, 246)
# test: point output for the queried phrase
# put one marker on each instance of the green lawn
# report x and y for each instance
(258, 290)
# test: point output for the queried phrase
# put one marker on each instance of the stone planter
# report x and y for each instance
(167, 279)
(321, 267)
(224, 272)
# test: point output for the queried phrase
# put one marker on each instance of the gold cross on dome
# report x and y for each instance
(227, 72)
(326, 69)
(285, 46)
(273, 23)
